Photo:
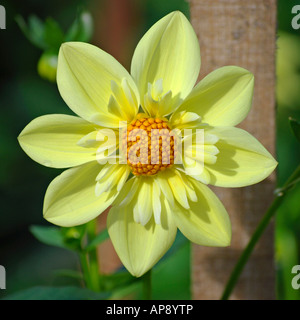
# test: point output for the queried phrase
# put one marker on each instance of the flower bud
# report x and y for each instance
(47, 66)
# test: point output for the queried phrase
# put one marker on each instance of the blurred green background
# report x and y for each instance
(25, 96)
(288, 149)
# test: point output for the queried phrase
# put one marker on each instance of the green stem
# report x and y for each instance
(89, 260)
(94, 273)
(85, 269)
(147, 285)
(257, 234)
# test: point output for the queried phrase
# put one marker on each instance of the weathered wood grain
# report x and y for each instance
(242, 33)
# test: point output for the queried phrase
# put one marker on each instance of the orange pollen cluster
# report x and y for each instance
(149, 145)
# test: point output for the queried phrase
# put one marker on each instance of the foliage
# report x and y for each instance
(48, 36)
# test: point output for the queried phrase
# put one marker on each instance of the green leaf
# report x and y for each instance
(81, 29)
(51, 236)
(57, 293)
(53, 35)
(37, 29)
(117, 280)
(73, 274)
(101, 237)
(130, 292)
(295, 124)
(44, 35)
(34, 31)
(66, 238)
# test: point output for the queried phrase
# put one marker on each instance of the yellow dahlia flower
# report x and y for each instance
(149, 200)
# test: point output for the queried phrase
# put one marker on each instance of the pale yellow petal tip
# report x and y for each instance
(176, 14)
(223, 238)
(68, 48)
(137, 273)
(226, 240)
(271, 166)
(251, 77)
(21, 143)
(19, 138)
(65, 49)
(63, 221)
(58, 221)
(275, 164)
(138, 269)
(242, 72)
(71, 44)
(64, 46)
(238, 69)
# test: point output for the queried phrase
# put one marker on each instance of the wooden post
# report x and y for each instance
(242, 33)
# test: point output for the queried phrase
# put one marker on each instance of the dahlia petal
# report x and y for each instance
(52, 140)
(206, 222)
(71, 200)
(223, 97)
(84, 78)
(142, 209)
(140, 247)
(168, 51)
(110, 177)
(242, 160)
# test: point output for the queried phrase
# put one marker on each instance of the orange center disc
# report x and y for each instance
(149, 145)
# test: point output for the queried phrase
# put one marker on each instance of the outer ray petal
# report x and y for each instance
(85, 77)
(198, 153)
(112, 176)
(206, 222)
(51, 140)
(177, 186)
(144, 194)
(142, 209)
(168, 51)
(242, 160)
(178, 189)
(71, 198)
(140, 247)
(222, 98)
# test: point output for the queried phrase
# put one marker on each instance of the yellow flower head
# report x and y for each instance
(174, 140)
